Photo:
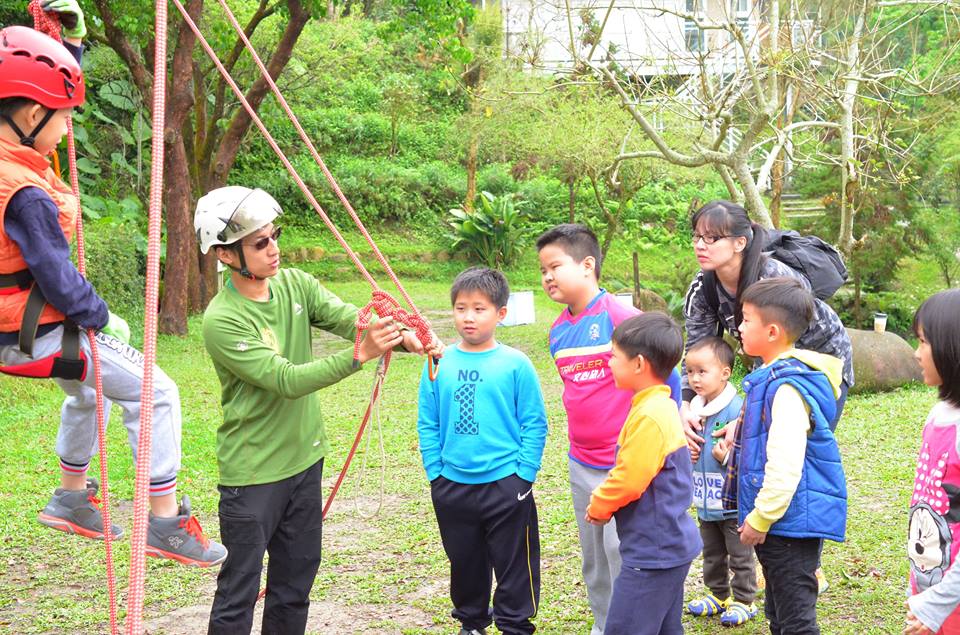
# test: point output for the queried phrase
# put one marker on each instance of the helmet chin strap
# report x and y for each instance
(243, 271)
(29, 139)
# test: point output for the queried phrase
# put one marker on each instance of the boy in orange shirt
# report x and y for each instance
(650, 488)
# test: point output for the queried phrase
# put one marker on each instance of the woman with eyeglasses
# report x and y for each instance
(730, 249)
(730, 246)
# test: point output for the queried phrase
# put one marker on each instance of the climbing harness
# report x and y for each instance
(69, 362)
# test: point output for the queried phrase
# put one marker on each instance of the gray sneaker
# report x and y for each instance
(472, 631)
(180, 538)
(77, 512)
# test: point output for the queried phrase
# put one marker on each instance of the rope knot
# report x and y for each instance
(46, 23)
(383, 304)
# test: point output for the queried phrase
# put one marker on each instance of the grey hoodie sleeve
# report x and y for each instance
(934, 606)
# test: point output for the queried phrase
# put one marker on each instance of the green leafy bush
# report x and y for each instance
(116, 263)
(493, 233)
(496, 179)
(379, 189)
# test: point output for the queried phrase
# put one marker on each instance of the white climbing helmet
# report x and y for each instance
(227, 214)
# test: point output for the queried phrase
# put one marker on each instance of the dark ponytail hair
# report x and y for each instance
(723, 218)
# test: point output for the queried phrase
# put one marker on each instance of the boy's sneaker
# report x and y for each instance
(77, 512)
(738, 613)
(180, 538)
(708, 606)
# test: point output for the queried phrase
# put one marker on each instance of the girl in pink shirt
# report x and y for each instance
(934, 527)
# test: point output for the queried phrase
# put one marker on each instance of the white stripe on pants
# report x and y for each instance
(599, 546)
(122, 373)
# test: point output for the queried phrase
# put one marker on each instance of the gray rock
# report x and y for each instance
(647, 300)
(881, 361)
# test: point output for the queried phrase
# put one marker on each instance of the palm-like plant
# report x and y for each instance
(493, 233)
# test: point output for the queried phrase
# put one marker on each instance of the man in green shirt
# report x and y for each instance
(271, 444)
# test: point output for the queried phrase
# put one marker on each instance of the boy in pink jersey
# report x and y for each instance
(580, 343)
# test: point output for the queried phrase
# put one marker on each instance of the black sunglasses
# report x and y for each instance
(261, 243)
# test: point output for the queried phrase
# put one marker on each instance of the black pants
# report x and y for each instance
(789, 566)
(285, 520)
(486, 528)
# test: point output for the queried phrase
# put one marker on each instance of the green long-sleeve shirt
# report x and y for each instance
(272, 425)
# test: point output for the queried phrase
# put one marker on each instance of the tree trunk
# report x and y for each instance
(572, 205)
(230, 144)
(728, 182)
(472, 150)
(181, 241)
(848, 169)
(752, 201)
(217, 169)
(181, 266)
(776, 190)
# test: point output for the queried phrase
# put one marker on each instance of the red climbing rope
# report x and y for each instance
(138, 541)
(415, 320)
(381, 301)
(49, 23)
(316, 157)
(383, 304)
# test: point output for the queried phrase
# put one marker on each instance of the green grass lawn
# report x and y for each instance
(389, 572)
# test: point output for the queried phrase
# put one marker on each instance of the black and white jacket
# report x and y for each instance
(826, 333)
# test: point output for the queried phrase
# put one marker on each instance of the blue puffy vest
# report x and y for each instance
(819, 506)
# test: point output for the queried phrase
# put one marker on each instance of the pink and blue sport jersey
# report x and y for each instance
(582, 346)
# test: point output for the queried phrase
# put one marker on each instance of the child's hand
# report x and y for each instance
(720, 449)
(750, 536)
(692, 427)
(730, 433)
(595, 521)
(914, 625)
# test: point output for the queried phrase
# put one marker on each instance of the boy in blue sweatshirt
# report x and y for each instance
(482, 427)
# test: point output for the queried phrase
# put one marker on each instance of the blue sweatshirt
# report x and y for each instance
(483, 418)
(31, 221)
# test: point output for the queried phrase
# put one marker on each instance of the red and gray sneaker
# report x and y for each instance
(180, 538)
(77, 512)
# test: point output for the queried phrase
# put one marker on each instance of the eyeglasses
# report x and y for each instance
(261, 243)
(707, 238)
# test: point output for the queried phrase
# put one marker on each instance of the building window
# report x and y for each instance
(741, 11)
(693, 35)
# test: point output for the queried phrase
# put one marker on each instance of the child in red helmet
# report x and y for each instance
(46, 305)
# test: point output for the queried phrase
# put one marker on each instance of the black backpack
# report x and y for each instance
(819, 262)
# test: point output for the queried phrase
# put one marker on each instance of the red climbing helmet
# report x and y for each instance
(36, 66)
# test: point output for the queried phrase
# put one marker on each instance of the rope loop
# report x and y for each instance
(46, 23)
(383, 304)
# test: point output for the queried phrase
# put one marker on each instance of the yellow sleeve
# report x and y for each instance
(640, 457)
(786, 450)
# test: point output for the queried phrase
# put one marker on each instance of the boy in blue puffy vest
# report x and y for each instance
(709, 363)
(784, 476)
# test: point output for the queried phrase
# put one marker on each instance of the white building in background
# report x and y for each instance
(647, 37)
